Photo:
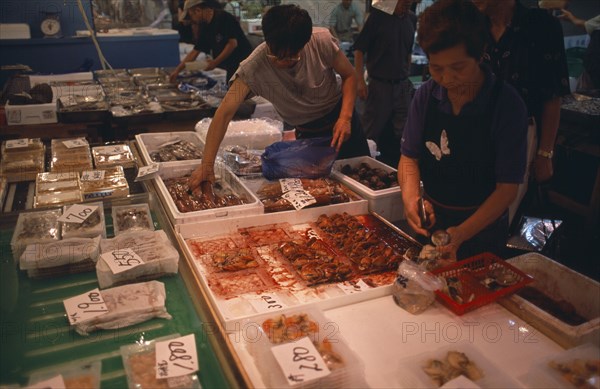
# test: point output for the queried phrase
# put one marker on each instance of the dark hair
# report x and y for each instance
(214, 4)
(287, 28)
(448, 23)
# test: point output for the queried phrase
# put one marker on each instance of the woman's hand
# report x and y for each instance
(457, 238)
(412, 216)
(341, 133)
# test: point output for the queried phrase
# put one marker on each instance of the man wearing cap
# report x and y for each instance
(220, 35)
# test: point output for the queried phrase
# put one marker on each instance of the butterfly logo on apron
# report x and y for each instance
(439, 151)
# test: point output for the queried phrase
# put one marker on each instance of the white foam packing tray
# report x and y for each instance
(148, 143)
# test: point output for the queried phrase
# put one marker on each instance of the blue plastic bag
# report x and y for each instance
(303, 158)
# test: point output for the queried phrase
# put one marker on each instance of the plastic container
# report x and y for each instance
(35, 227)
(75, 376)
(94, 225)
(255, 134)
(387, 203)
(65, 159)
(135, 217)
(113, 185)
(485, 374)
(472, 274)
(22, 159)
(56, 189)
(152, 142)
(253, 205)
(559, 283)
(113, 155)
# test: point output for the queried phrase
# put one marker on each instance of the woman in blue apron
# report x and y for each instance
(465, 137)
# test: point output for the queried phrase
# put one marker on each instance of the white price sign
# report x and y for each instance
(77, 213)
(351, 287)
(56, 382)
(110, 150)
(288, 184)
(267, 303)
(17, 143)
(92, 175)
(300, 361)
(176, 357)
(299, 198)
(85, 306)
(73, 143)
(147, 172)
(121, 260)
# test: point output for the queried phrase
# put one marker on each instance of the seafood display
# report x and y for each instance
(177, 150)
(22, 159)
(79, 103)
(69, 158)
(114, 155)
(581, 373)
(188, 201)
(35, 227)
(242, 161)
(332, 359)
(561, 309)
(288, 328)
(140, 366)
(91, 227)
(453, 365)
(132, 218)
(374, 178)
(56, 188)
(110, 182)
(234, 260)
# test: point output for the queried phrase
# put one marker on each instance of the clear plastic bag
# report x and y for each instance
(414, 287)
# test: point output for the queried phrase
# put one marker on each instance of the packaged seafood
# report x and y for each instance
(128, 305)
(57, 198)
(67, 256)
(3, 188)
(75, 376)
(113, 155)
(22, 159)
(374, 181)
(139, 361)
(56, 182)
(10, 147)
(135, 217)
(94, 225)
(413, 289)
(110, 182)
(35, 227)
(240, 282)
(243, 161)
(152, 145)
(153, 247)
(255, 134)
(70, 155)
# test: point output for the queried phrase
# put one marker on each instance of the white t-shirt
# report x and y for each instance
(303, 93)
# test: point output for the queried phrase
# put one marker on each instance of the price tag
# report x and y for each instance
(53, 383)
(92, 175)
(17, 143)
(121, 260)
(176, 357)
(85, 306)
(300, 361)
(288, 184)
(351, 287)
(73, 143)
(147, 172)
(111, 150)
(299, 198)
(77, 213)
(267, 303)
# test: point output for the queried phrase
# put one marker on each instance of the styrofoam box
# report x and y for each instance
(15, 31)
(559, 283)
(148, 143)
(410, 370)
(44, 79)
(224, 175)
(256, 134)
(542, 375)
(30, 114)
(260, 348)
(385, 202)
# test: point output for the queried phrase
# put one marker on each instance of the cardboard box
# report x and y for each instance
(30, 114)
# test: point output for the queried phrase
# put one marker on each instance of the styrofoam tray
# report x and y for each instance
(148, 143)
(385, 202)
(224, 175)
(240, 307)
(558, 282)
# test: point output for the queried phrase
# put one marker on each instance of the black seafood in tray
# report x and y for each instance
(188, 201)
(74, 103)
(374, 178)
(324, 190)
(180, 150)
(243, 161)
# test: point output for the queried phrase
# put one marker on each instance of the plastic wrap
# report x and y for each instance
(128, 305)
(113, 184)
(413, 289)
(242, 161)
(35, 227)
(253, 133)
(113, 155)
(94, 225)
(75, 376)
(533, 233)
(70, 159)
(57, 189)
(135, 217)
(22, 159)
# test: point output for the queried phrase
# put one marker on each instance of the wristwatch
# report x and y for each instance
(545, 154)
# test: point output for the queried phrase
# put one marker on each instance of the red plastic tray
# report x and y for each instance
(471, 273)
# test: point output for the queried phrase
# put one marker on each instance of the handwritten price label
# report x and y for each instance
(92, 175)
(176, 357)
(267, 303)
(147, 172)
(300, 361)
(77, 213)
(74, 143)
(17, 143)
(351, 287)
(85, 306)
(299, 198)
(56, 382)
(288, 184)
(121, 260)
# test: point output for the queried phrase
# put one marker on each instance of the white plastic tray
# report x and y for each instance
(558, 282)
(385, 202)
(253, 207)
(148, 143)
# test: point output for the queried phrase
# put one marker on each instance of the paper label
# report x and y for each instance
(300, 361)
(73, 143)
(176, 357)
(147, 172)
(77, 213)
(351, 287)
(53, 383)
(111, 150)
(121, 260)
(267, 303)
(17, 143)
(288, 184)
(299, 198)
(85, 306)
(92, 175)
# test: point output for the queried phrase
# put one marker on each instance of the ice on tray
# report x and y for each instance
(35, 227)
(128, 305)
